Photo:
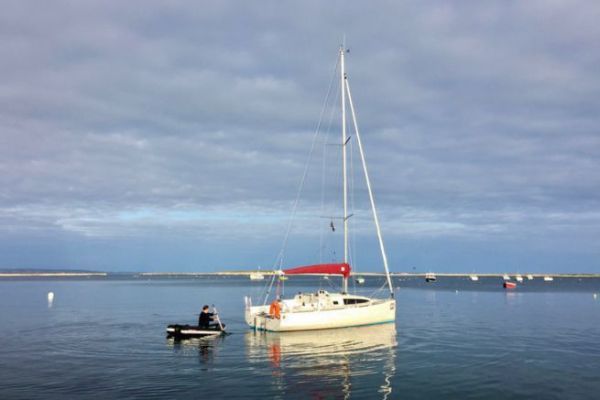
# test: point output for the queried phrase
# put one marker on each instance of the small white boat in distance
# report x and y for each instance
(548, 278)
(430, 277)
(360, 280)
(256, 276)
(474, 278)
(519, 278)
(530, 277)
(506, 277)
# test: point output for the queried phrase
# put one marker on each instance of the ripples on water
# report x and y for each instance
(105, 339)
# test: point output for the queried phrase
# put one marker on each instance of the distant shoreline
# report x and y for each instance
(50, 274)
(394, 274)
(68, 274)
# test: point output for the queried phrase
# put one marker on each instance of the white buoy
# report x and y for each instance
(50, 298)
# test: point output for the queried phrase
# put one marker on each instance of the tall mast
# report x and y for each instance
(344, 140)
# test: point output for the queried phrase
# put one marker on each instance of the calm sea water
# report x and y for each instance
(452, 339)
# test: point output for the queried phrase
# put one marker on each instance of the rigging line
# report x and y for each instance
(264, 288)
(324, 180)
(331, 285)
(321, 230)
(268, 292)
(279, 259)
(381, 288)
(326, 165)
(351, 224)
(280, 285)
(371, 198)
(352, 207)
(332, 113)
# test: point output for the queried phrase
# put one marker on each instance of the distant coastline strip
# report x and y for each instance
(50, 274)
(82, 274)
(374, 274)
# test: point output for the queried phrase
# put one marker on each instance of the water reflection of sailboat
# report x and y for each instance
(330, 360)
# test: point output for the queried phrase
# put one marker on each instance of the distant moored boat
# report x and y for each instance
(519, 278)
(506, 277)
(548, 279)
(430, 277)
(474, 278)
(530, 277)
(256, 276)
(509, 285)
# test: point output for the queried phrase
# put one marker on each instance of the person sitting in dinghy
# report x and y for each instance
(205, 319)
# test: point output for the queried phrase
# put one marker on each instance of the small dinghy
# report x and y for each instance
(192, 331)
(206, 326)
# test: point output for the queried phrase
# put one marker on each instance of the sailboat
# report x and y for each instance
(322, 309)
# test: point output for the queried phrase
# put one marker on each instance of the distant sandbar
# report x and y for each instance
(49, 274)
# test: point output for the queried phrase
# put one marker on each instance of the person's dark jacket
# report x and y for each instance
(205, 319)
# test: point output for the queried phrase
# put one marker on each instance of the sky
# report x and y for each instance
(172, 135)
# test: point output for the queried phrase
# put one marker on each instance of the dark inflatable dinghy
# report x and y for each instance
(192, 331)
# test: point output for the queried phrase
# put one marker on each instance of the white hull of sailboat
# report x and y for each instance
(374, 312)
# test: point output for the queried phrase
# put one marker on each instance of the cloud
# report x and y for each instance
(147, 120)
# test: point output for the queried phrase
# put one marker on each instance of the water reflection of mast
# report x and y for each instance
(388, 372)
(325, 363)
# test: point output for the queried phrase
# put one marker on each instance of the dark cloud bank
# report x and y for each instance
(172, 135)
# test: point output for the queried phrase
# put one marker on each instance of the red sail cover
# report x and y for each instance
(331, 269)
